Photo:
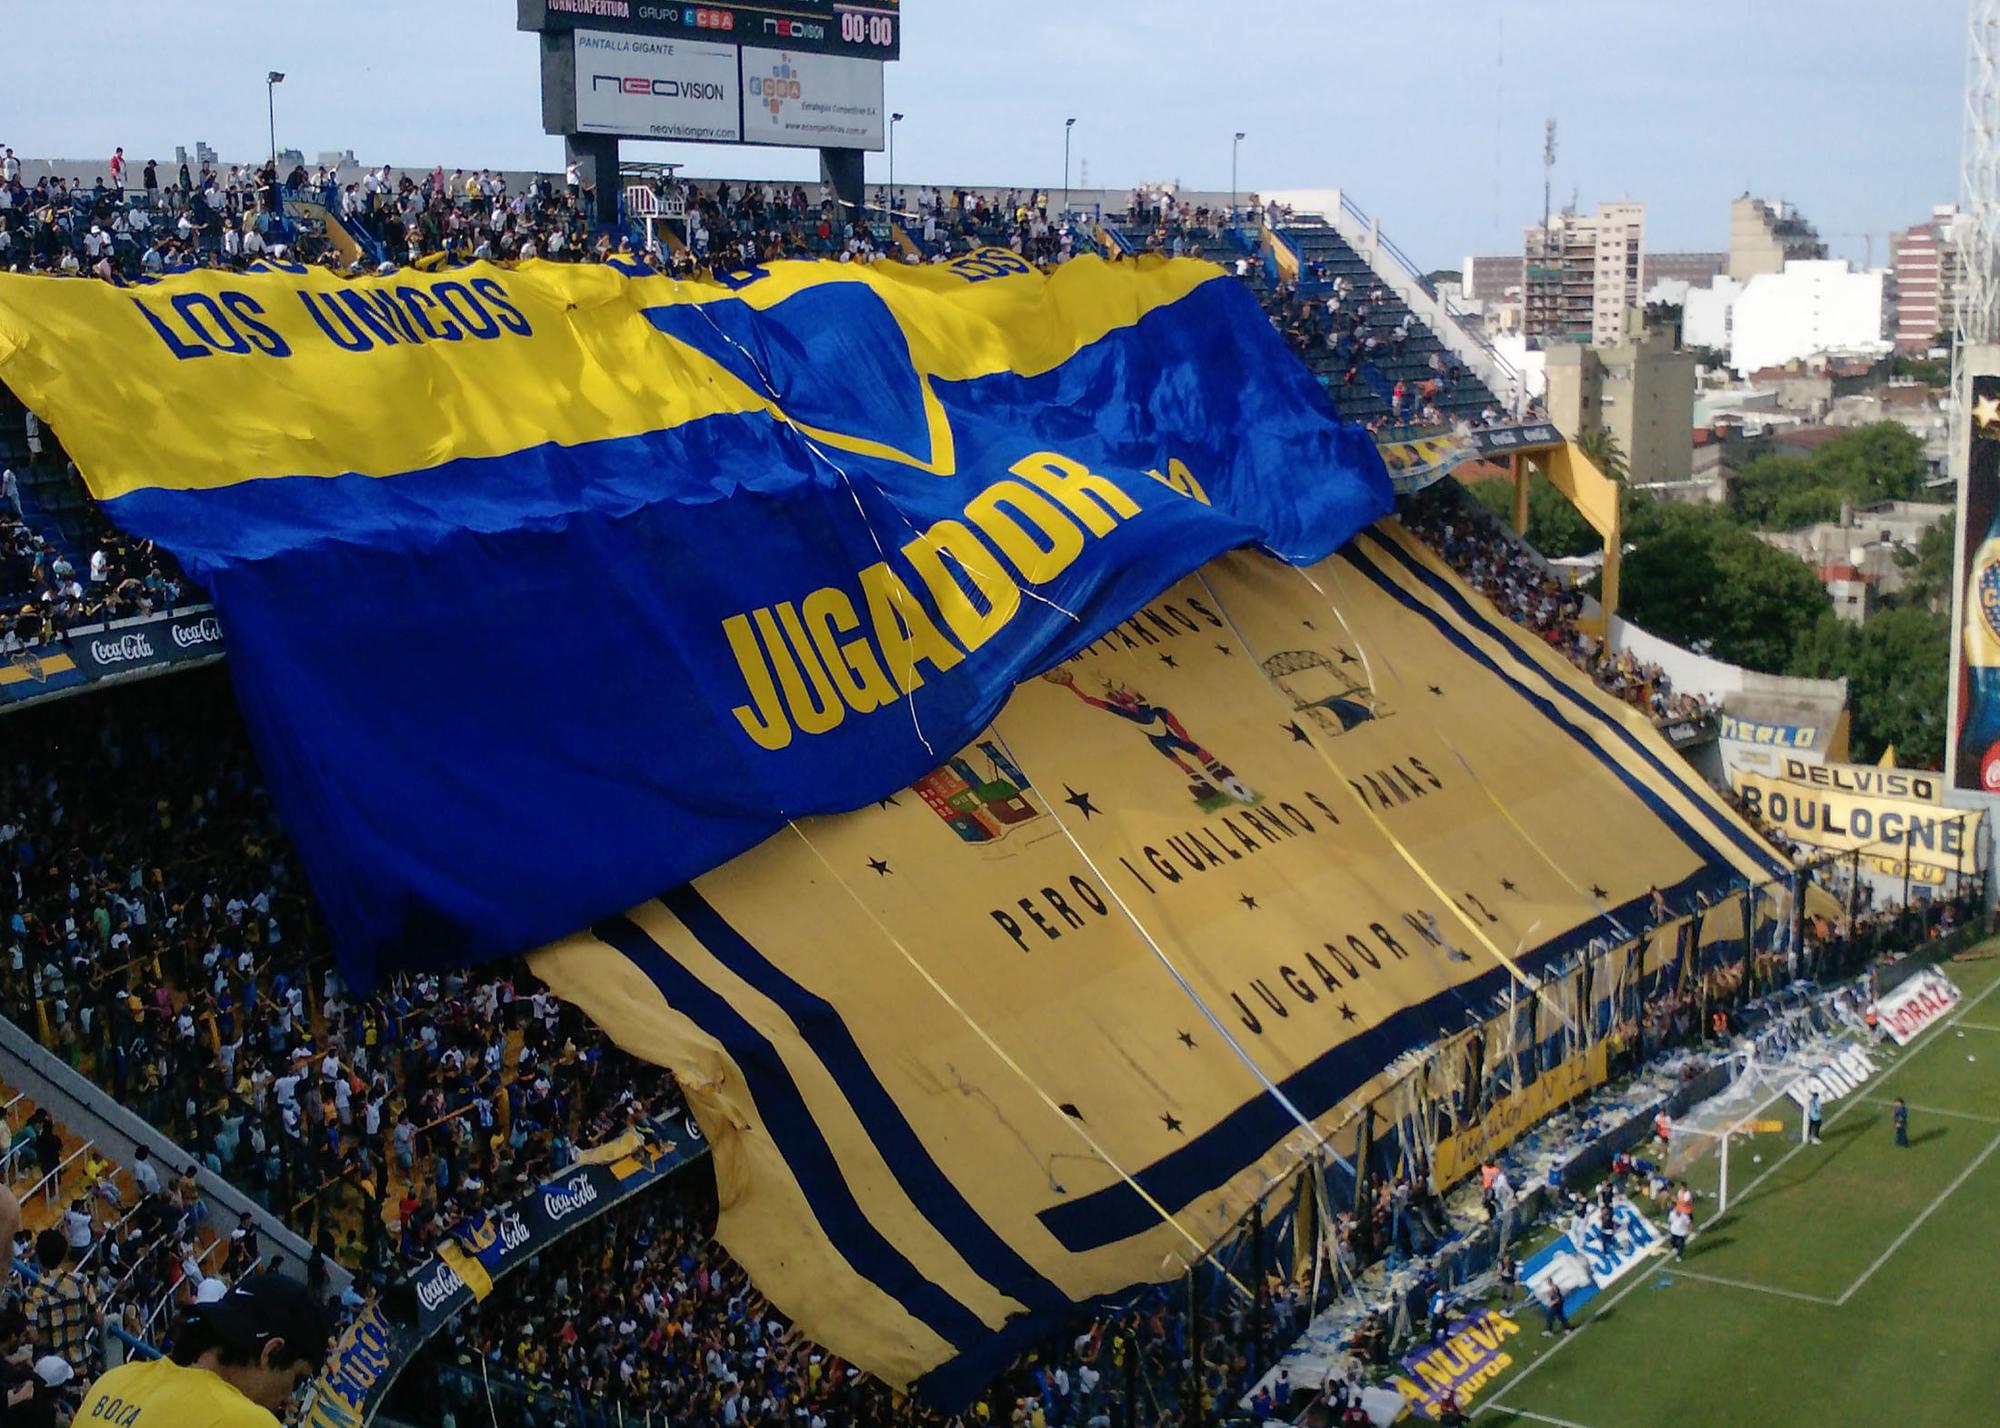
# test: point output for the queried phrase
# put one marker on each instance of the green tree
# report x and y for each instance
(1932, 372)
(1927, 569)
(1880, 462)
(1762, 481)
(1897, 666)
(1697, 577)
(1554, 527)
(1601, 446)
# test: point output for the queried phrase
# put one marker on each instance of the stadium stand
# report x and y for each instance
(643, 1313)
(163, 941)
(1496, 563)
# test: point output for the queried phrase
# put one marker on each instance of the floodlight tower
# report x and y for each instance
(1548, 170)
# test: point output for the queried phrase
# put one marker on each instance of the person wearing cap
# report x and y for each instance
(239, 1360)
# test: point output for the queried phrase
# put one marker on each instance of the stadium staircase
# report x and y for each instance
(84, 1165)
(53, 505)
(1308, 256)
(1458, 331)
(88, 1117)
(44, 1196)
(1324, 257)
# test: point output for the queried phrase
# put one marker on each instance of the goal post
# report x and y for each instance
(1690, 1140)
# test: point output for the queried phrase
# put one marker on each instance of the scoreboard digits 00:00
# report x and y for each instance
(866, 27)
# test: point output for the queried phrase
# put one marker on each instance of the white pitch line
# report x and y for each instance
(1677, 1273)
(1639, 1279)
(1937, 1111)
(1559, 1345)
(1914, 1225)
(1976, 1026)
(1932, 1032)
(1543, 1418)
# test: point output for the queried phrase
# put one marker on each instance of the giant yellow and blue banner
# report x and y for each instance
(1040, 1026)
(552, 586)
(1020, 867)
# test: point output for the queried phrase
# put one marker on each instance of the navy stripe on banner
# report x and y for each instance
(1743, 838)
(1696, 841)
(798, 1138)
(1210, 1159)
(929, 1189)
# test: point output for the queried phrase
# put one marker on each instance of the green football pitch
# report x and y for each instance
(1849, 1283)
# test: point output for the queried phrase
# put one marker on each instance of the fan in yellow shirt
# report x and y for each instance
(237, 1363)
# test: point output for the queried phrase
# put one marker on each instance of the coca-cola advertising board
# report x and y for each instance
(387, 1334)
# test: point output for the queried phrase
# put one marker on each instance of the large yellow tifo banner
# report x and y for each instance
(1457, 1156)
(1827, 815)
(1043, 1026)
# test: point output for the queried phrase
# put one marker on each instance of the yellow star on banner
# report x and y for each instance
(1986, 411)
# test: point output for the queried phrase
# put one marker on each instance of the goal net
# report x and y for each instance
(1759, 1103)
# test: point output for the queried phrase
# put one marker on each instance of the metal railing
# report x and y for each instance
(107, 1233)
(201, 1262)
(49, 1187)
(1465, 321)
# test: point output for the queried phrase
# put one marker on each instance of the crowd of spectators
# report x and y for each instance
(43, 593)
(131, 222)
(643, 1313)
(1530, 594)
(949, 223)
(480, 214)
(1342, 334)
(159, 937)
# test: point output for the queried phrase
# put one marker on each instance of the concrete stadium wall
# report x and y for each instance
(118, 1132)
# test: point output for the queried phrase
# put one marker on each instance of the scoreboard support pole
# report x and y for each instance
(597, 156)
(840, 170)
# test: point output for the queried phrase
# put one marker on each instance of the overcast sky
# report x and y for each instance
(1429, 115)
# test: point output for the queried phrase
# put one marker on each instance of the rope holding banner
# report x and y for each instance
(1402, 850)
(1006, 1059)
(1209, 1013)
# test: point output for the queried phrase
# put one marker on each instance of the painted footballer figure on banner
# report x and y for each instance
(1207, 778)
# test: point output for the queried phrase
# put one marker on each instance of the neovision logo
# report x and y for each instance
(660, 88)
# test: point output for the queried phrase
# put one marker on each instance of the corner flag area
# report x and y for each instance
(1842, 1273)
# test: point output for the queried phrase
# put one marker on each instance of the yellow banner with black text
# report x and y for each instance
(1048, 1022)
(1457, 1156)
(1830, 813)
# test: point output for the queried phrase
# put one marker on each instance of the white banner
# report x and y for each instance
(1833, 1079)
(656, 89)
(1915, 1005)
(1582, 1271)
(816, 101)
